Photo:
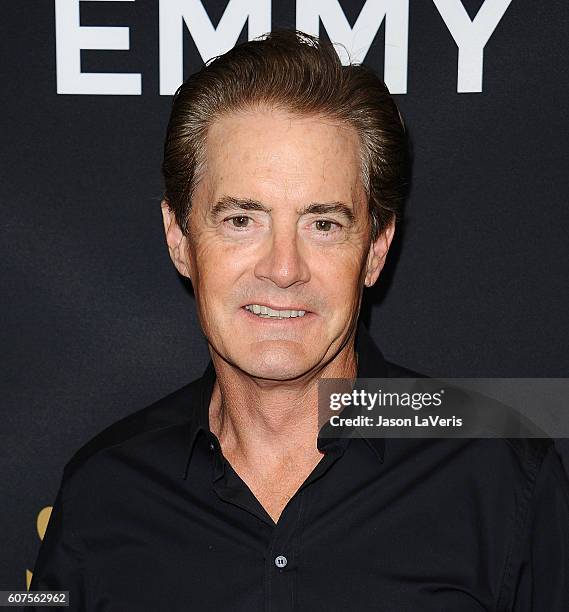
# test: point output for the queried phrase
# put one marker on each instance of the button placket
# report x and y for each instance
(281, 559)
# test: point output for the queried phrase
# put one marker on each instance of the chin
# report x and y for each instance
(276, 364)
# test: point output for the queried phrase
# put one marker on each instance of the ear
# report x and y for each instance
(176, 241)
(378, 253)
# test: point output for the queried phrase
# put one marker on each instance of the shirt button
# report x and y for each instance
(211, 446)
(281, 561)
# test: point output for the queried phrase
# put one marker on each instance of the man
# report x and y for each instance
(285, 174)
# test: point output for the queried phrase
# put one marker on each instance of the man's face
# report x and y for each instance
(279, 220)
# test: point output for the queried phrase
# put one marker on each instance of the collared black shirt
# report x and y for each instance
(150, 516)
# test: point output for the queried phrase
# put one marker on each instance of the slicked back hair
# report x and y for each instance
(303, 75)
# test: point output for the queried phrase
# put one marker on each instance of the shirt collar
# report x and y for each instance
(371, 364)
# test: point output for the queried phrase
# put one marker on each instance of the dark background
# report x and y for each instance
(95, 322)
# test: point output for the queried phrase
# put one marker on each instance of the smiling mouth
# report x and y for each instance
(265, 312)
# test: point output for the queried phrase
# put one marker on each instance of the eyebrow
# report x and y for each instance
(227, 203)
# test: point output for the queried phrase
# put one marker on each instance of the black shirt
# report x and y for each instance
(151, 516)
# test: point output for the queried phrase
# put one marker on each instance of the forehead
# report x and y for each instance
(273, 154)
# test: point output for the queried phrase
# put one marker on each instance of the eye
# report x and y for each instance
(239, 221)
(325, 226)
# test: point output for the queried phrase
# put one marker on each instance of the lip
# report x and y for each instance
(307, 317)
(273, 307)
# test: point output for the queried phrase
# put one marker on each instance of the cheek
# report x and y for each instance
(339, 269)
(218, 267)
(337, 279)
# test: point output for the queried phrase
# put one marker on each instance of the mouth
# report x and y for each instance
(279, 314)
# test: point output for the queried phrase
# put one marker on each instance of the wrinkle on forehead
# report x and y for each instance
(285, 153)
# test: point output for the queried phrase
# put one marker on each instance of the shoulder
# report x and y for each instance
(174, 410)
(395, 370)
(529, 451)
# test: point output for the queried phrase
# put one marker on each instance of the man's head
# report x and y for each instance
(285, 172)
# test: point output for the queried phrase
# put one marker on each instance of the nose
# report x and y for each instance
(283, 262)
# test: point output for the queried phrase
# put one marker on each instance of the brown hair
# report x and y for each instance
(294, 71)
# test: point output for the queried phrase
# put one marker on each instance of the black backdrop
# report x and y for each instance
(95, 322)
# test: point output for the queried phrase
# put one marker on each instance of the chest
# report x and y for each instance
(273, 490)
(360, 536)
(346, 556)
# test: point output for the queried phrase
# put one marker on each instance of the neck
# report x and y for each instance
(262, 422)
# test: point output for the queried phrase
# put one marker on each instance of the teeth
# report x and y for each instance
(266, 313)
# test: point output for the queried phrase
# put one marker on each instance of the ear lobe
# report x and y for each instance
(377, 254)
(175, 239)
